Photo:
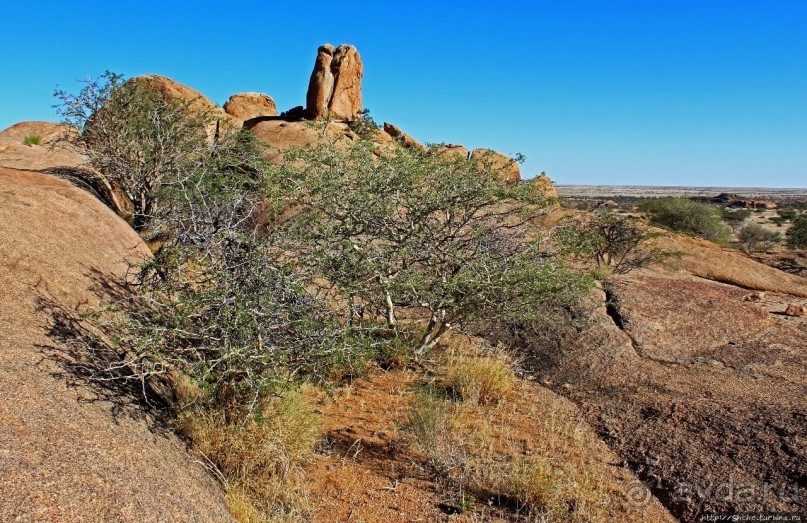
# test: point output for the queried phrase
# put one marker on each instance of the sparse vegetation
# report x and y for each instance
(136, 137)
(753, 237)
(258, 455)
(611, 241)
(687, 216)
(472, 449)
(735, 217)
(797, 234)
(485, 379)
(32, 139)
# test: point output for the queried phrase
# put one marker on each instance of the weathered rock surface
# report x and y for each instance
(281, 135)
(796, 310)
(452, 150)
(707, 260)
(334, 89)
(245, 106)
(694, 388)
(503, 166)
(50, 153)
(69, 451)
(404, 139)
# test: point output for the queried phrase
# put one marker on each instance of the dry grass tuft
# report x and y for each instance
(258, 457)
(503, 446)
(483, 379)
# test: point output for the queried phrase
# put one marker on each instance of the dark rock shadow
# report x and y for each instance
(85, 353)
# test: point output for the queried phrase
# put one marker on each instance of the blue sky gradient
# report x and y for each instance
(652, 92)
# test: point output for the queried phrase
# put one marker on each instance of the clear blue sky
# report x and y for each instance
(664, 92)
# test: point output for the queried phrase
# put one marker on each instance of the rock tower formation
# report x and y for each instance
(335, 87)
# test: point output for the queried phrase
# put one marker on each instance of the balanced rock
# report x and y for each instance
(404, 139)
(246, 106)
(334, 89)
(504, 167)
(544, 186)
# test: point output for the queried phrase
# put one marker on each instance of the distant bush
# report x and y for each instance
(735, 218)
(612, 241)
(753, 237)
(687, 216)
(787, 213)
(32, 139)
(797, 234)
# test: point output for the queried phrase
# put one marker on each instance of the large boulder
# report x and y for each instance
(70, 450)
(281, 135)
(196, 101)
(334, 90)
(404, 139)
(246, 106)
(50, 152)
(505, 168)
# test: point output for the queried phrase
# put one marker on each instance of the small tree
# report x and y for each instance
(754, 237)
(797, 234)
(687, 216)
(611, 241)
(425, 236)
(735, 218)
(135, 136)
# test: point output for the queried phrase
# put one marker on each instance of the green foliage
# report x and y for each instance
(364, 125)
(755, 237)
(135, 136)
(610, 240)
(788, 213)
(797, 234)
(428, 235)
(735, 218)
(687, 216)
(32, 139)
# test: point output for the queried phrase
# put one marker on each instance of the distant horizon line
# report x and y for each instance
(688, 187)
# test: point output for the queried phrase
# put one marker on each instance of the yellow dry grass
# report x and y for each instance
(258, 457)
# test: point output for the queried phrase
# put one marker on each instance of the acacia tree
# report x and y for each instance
(422, 236)
(611, 241)
(135, 136)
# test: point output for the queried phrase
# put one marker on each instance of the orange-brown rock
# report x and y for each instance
(280, 135)
(451, 150)
(503, 166)
(196, 101)
(334, 89)
(320, 86)
(404, 139)
(543, 184)
(348, 70)
(796, 310)
(246, 106)
(50, 153)
(754, 297)
(71, 451)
